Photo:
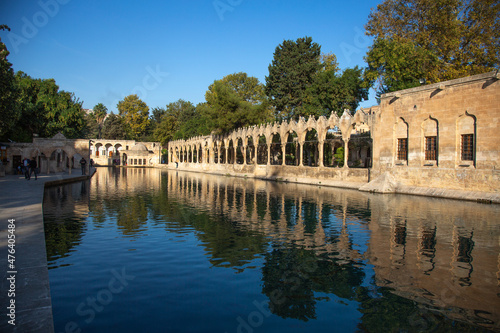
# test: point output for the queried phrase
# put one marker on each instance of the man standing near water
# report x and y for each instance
(83, 163)
(33, 165)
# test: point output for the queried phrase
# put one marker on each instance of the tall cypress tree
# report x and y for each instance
(291, 72)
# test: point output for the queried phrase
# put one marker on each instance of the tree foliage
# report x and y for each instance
(45, 110)
(9, 115)
(332, 92)
(436, 40)
(247, 88)
(135, 114)
(100, 112)
(114, 128)
(291, 72)
(235, 101)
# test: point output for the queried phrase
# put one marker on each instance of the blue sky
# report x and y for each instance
(169, 50)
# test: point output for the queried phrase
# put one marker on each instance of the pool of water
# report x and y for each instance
(145, 250)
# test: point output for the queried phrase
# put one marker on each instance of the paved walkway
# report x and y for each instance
(25, 285)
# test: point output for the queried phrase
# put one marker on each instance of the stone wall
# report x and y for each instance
(441, 115)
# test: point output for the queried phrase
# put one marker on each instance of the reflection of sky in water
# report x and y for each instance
(207, 253)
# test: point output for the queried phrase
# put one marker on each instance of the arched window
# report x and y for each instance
(430, 137)
(466, 141)
(401, 140)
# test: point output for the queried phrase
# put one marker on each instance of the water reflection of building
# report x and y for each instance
(122, 181)
(291, 213)
(442, 254)
(446, 258)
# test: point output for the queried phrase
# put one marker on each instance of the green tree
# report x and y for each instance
(9, 113)
(247, 88)
(194, 123)
(65, 115)
(329, 62)
(232, 104)
(92, 128)
(135, 115)
(436, 40)
(114, 128)
(291, 72)
(170, 120)
(157, 114)
(332, 92)
(45, 110)
(100, 112)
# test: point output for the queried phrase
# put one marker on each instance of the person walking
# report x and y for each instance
(26, 165)
(83, 163)
(33, 165)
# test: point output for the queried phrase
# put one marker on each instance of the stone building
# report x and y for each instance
(439, 139)
(124, 152)
(59, 154)
(54, 154)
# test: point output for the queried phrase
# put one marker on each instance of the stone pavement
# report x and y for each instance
(25, 280)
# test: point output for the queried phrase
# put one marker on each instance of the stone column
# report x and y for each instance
(283, 152)
(320, 149)
(301, 147)
(245, 155)
(346, 152)
(268, 153)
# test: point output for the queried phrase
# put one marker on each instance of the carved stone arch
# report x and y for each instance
(59, 159)
(344, 124)
(360, 116)
(333, 120)
(291, 127)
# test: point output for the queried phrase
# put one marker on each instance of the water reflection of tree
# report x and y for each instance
(132, 214)
(228, 244)
(62, 235)
(63, 226)
(291, 276)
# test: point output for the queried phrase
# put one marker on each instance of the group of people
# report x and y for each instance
(28, 167)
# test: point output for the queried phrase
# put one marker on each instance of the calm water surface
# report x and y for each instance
(145, 250)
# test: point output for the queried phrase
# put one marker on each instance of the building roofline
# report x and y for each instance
(444, 84)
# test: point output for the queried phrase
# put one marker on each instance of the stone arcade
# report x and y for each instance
(439, 140)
